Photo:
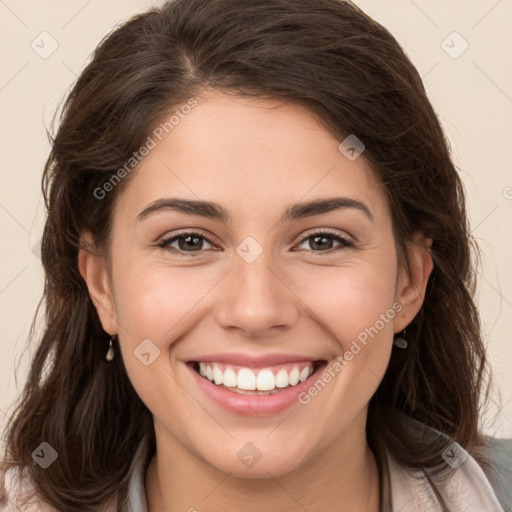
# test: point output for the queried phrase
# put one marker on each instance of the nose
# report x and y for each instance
(256, 300)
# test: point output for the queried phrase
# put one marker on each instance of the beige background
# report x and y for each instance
(470, 90)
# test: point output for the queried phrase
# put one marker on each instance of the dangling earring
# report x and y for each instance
(110, 352)
(400, 341)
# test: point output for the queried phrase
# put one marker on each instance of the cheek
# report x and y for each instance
(357, 305)
(162, 304)
(351, 299)
(155, 302)
(155, 308)
(358, 308)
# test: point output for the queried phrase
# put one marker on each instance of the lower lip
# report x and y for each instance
(254, 405)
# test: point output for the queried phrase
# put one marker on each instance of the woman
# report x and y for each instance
(258, 278)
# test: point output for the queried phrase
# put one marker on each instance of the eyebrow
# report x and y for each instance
(215, 211)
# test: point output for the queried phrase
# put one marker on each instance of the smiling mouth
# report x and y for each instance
(253, 381)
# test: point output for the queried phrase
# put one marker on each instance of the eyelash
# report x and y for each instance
(345, 242)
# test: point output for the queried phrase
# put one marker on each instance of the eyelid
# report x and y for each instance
(188, 231)
(327, 231)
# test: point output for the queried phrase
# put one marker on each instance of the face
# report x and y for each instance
(298, 301)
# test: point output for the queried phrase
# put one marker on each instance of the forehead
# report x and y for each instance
(249, 153)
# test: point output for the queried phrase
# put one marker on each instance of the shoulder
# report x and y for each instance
(21, 496)
(463, 485)
(499, 452)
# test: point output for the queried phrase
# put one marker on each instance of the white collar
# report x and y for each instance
(467, 489)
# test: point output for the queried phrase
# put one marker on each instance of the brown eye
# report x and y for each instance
(188, 242)
(324, 242)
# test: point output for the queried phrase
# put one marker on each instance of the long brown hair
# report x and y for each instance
(349, 71)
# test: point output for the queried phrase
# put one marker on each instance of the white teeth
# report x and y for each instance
(304, 374)
(230, 378)
(218, 376)
(246, 379)
(265, 380)
(282, 379)
(293, 376)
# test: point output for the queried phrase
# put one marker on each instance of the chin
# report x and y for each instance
(259, 459)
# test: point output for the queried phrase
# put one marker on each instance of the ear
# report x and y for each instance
(412, 282)
(93, 269)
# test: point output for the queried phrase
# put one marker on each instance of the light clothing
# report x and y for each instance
(467, 488)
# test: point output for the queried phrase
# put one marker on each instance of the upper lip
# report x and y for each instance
(249, 361)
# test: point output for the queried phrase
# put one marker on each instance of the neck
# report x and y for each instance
(345, 476)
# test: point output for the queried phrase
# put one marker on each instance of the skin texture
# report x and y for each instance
(255, 157)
